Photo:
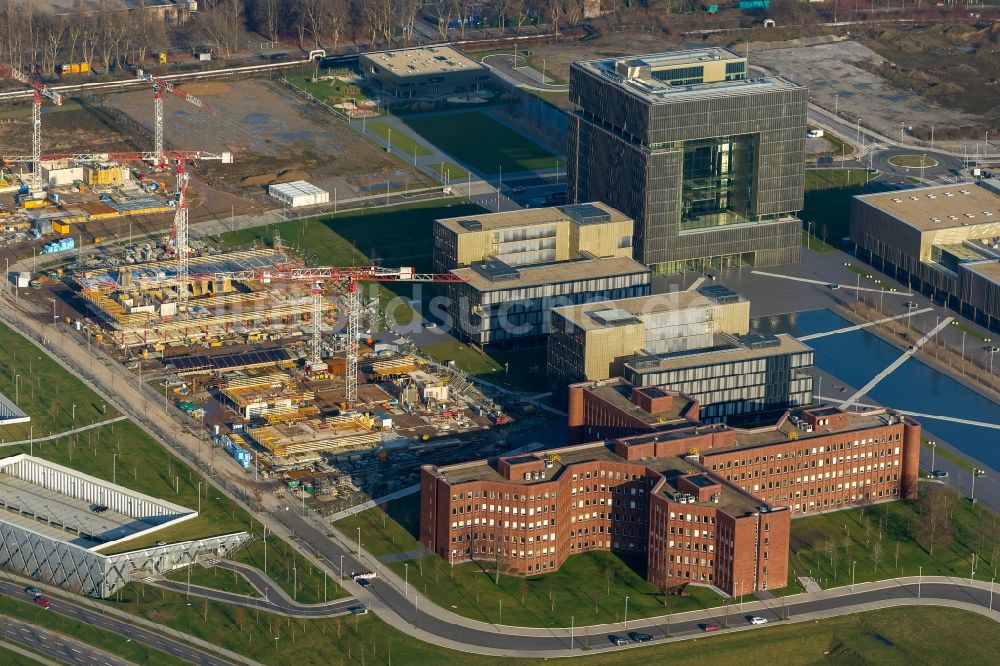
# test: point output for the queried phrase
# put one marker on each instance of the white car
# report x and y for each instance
(757, 619)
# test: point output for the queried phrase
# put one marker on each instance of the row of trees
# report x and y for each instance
(35, 38)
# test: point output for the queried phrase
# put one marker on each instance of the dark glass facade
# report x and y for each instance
(713, 174)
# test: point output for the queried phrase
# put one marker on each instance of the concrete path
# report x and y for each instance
(847, 404)
(811, 281)
(57, 435)
(858, 327)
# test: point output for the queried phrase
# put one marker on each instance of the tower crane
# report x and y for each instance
(347, 280)
(180, 159)
(159, 87)
(41, 90)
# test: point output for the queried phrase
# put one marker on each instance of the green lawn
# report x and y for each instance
(400, 141)
(83, 632)
(475, 139)
(217, 579)
(8, 656)
(912, 161)
(386, 529)
(525, 370)
(827, 201)
(894, 635)
(839, 148)
(816, 244)
(296, 575)
(825, 546)
(399, 235)
(45, 392)
(465, 357)
(455, 174)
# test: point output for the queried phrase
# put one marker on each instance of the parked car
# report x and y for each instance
(33, 592)
(618, 640)
(358, 610)
(825, 159)
(42, 601)
(710, 627)
(757, 619)
(939, 474)
(639, 637)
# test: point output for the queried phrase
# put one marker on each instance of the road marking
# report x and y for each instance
(848, 329)
(847, 404)
(811, 281)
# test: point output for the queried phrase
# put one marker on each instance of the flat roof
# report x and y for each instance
(10, 413)
(604, 314)
(786, 344)
(525, 217)
(560, 271)
(786, 431)
(423, 60)
(939, 206)
(634, 74)
(618, 393)
(988, 270)
(59, 503)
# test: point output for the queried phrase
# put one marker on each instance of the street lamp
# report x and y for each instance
(741, 596)
(114, 468)
(933, 454)
(852, 574)
(406, 578)
(359, 542)
(626, 612)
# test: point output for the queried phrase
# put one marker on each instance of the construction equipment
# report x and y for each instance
(159, 86)
(179, 232)
(41, 90)
(347, 280)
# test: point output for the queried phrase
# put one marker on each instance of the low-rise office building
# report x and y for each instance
(593, 341)
(738, 376)
(423, 72)
(943, 240)
(531, 236)
(518, 265)
(499, 304)
(704, 503)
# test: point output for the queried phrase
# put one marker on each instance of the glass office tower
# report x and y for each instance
(709, 163)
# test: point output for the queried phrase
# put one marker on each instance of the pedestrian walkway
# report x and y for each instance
(895, 364)
(822, 282)
(74, 431)
(858, 327)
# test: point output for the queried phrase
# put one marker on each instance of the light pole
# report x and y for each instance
(626, 612)
(199, 497)
(920, 579)
(359, 542)
(114, 468)
(741, 596)
(571, 619)
(31, 440)
(852, 574)
(406, 579)
(17, 388)
(809, 236)
(991, 593)
(341, 567)
(933, 454)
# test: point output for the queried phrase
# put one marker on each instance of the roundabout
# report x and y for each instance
(913, 161)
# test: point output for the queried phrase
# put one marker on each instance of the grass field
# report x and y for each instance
(475, 139)
(525, 370)
(296, 575)
(399, 235)
(913, 161)
(86, 633)
(215, 578)
(826, 546)
(828, 200)
(399, 140)
(454, 173)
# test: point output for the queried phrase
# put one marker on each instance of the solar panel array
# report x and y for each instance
(229, 361)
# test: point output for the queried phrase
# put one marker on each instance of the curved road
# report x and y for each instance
(127, 630)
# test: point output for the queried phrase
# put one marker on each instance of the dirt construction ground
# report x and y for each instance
(273, 136)
(940, 74)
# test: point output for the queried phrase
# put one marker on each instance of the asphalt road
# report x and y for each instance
(54, 645)
(124, 629)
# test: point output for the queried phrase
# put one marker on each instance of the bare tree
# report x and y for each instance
(221, 22)
(443, 12)
(609, 576)
(54, 29)
(406, 12)
(877, 552)
(934, 527)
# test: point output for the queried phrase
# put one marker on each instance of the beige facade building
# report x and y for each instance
(423, 72)
(593, 341)
(532, 236)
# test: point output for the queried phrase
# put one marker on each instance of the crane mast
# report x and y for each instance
(40, 90)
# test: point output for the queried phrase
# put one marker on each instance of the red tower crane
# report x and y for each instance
(159, 87)
(347, 278)
(41, 90)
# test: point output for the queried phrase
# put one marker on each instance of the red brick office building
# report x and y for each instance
(703, 503)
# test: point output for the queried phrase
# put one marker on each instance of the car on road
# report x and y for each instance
(98, 508)
(757, 619)
(639, 637)
(833, 285)
(710, 627)
(517, 189)
(358, 610)
(364, 582)
(42, 601)
(33, 592)
(938, 474)
(618, 640)
(910, 305)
